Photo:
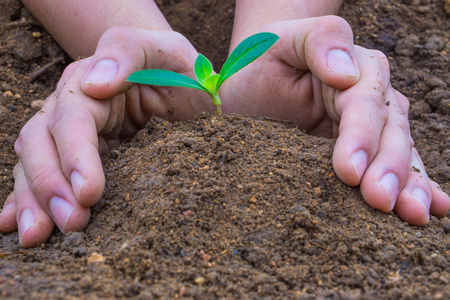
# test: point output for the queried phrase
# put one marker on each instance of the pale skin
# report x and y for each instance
(314, 76)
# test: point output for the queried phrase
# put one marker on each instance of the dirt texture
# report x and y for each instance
(235, 207)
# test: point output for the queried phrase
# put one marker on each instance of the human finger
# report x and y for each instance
(440, 201)
(322, 45)
(74, 126)
(8, 221)
(421, 196)
(34, 224)
(40, 161)
(123, 50)
(388, 172)
(414, 201)
(362, 113)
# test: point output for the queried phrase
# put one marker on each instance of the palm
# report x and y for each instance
(130, 111)
(270, 87)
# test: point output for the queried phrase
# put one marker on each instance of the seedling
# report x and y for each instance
(246, 52)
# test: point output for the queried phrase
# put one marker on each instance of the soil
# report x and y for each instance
(236, 207)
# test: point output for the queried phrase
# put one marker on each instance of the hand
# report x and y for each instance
(317, 78)
(59, 174)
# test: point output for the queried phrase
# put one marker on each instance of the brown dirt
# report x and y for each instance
(235, 207)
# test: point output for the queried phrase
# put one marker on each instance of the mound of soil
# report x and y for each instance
(233, 206)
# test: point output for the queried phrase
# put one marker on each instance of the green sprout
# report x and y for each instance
(245, 53)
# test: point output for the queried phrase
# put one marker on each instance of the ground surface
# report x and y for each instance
(234, 207)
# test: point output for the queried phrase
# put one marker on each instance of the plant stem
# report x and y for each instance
(217, 103)
(218, 110)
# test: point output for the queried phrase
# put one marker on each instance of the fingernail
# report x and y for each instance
(340, 62)
(103, 71)
(359, 161)
(422, 198)
(77, 183)
(27, 220)
(61, 211)
(390, 183)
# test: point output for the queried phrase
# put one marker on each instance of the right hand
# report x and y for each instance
(59, 174)
(343, 95)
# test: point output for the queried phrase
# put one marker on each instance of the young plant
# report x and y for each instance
(246, 52)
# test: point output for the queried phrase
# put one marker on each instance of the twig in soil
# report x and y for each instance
(7, 26)
(2, 255)
(272, 119)
(320, 246)
(44, 68)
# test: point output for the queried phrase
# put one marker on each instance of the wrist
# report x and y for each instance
(78, 25)
(252, 15)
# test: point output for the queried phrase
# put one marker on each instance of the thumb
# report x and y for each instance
(322, 45)
(123, 50)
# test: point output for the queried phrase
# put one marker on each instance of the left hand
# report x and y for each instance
(316, 77)
(59, 174)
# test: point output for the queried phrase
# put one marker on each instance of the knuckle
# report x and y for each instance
(22, 140)
(378, 98)
(41, 180)
(70, 68)
(403, 125)
(9, 199)
(335, 23)
(16, 169)
(178, 37)
(411, 141)
(66, 154)
(435, 185)
(382, 60)
(117, 35)
(57, 117)
(179, 54)
(378, 54)
(330, 31)
(54, 124)
(68, 71)
(179, 42)
(403, 103)
(18, 144)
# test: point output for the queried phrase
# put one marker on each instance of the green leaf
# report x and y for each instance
(164, 78)
(203, 68)
(210, 83)
(246, 52)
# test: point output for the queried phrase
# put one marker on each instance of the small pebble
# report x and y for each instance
(4, 113)
(199, 280)
(85, 282)
(438, 296)
(182, 291)
(95, 258)
(443, 279)
(317, 191)
(37, 104)
(188, 213)
(8, 94)
(37, 34)
(206, 257)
